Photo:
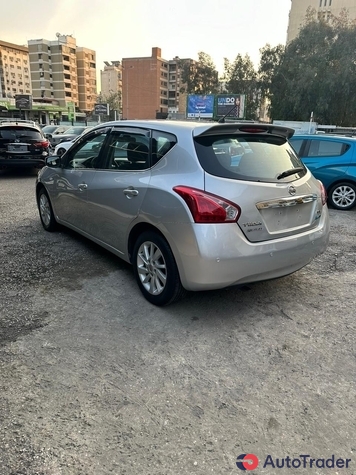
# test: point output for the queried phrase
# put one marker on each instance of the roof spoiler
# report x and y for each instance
(247, 128)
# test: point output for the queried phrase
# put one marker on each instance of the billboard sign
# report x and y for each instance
(101, 109)
(200, 106)
(23, 101)
(71, 110)
(230, 105)
(3, 106)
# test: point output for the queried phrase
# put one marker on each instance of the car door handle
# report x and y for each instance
(130, 192)
(82, 186)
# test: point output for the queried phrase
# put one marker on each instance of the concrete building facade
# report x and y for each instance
(111, 78)
(323, 9)
(15, 75)
(63, 72)
(86, 74)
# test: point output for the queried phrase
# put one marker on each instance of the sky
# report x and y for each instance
(118, 29)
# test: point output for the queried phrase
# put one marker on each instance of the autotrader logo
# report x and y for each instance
(247, 462)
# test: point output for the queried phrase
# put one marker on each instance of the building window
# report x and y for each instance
(321, 3)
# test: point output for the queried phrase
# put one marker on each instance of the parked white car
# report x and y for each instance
(63, 147)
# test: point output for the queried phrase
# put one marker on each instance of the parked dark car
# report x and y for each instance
(69, 134)
(22, 144)
(331, 159)
(50, 130)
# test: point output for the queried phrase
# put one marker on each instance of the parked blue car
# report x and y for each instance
(332, 160)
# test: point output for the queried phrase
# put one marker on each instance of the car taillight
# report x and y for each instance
(324, 195)
(208, 208)
(43, 144)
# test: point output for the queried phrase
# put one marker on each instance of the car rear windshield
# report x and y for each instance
(20, 133)
(248, 157)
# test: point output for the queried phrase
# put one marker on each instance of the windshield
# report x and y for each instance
(249, 157)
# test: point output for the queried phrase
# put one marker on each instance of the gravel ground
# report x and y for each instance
(95, 381)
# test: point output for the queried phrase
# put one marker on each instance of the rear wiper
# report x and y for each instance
(291, 171)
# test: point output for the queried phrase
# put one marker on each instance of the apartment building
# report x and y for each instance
(86, 74)
(111, 78)
(63, 72)
(323, 9)
(145, 87)
(15, 76)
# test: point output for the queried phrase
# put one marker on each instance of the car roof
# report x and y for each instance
(22, 122)
(28, 124)
(324, 137)
(198, 128)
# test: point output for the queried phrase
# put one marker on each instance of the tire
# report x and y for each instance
(342, 196)
(46, 212)
(155, 270)
(61, 151)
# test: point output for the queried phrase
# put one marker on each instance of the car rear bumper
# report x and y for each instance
(217, 256)
(20, 162)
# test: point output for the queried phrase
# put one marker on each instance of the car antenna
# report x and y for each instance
(222, 119)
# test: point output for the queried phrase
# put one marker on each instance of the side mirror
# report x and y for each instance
(48, 136)
(54, 161)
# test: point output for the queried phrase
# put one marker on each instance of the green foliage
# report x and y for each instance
(315, 73)
(114, 101)
(241, 78)
(199, 77)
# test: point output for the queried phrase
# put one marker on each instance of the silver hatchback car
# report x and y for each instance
(191, 205)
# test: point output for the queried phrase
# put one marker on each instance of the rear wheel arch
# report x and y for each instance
(155, 268)
(45, 209)
(136, 231)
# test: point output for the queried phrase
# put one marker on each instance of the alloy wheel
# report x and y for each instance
(344, 196)
(45, 209)
(152, 268)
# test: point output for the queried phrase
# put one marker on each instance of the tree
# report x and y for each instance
(241, 78)
(114, 101)
(199, 77)
(270, 60)
(316, 73)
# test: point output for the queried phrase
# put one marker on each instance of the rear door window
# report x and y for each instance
(326, 148)
(248, 157)
(297, 145)
(162, 142)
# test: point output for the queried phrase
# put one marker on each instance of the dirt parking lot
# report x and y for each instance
(95, 381)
